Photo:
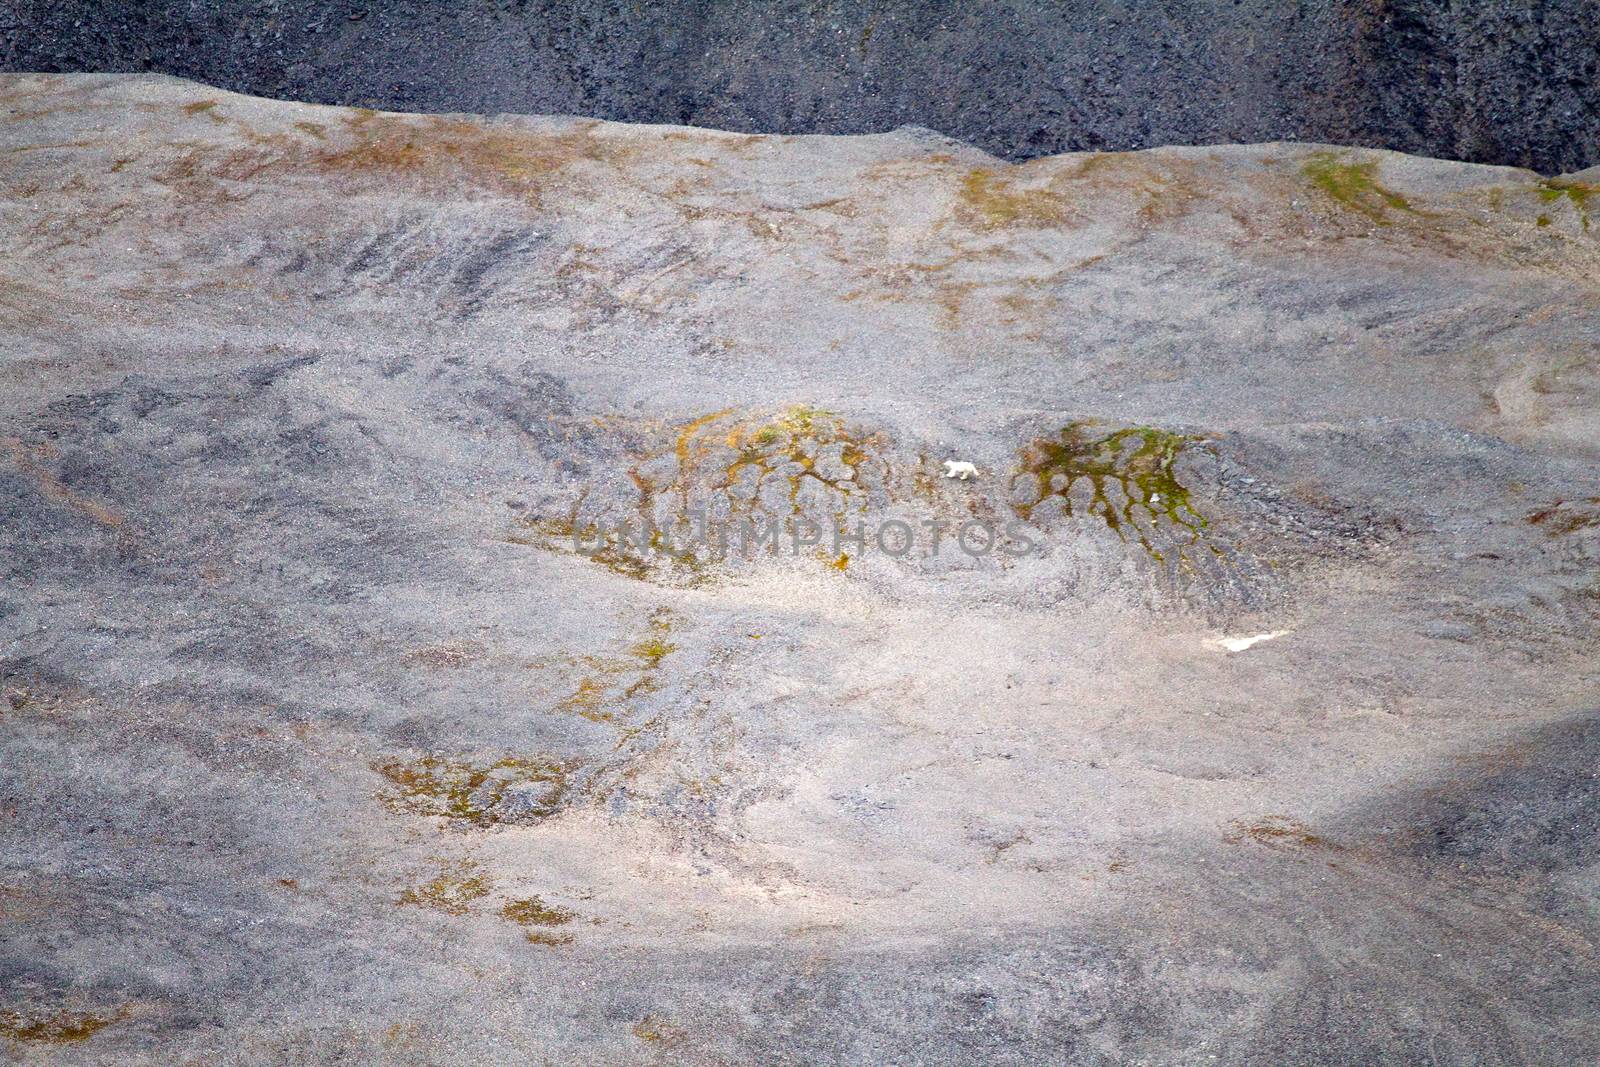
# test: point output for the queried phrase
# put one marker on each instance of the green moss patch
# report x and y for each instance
(1354, 185)
(1578, 194)
(1131, 474)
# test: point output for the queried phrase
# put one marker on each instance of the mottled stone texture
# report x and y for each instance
(1513, 82)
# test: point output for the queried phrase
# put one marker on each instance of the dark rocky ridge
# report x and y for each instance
(1494, 81)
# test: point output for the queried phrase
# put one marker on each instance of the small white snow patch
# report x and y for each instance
(1239, 644)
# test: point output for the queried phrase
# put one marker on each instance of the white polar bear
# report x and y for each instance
(959, 468)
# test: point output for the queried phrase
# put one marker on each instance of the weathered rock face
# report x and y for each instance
(1489, 81)
(353, 707)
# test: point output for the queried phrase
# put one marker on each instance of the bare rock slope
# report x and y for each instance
(1244, 711)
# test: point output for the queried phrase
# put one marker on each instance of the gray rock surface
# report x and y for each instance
(1513, 82)
(321, 739)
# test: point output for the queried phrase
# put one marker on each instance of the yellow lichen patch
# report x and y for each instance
(686, 445)
(546, 937)
(604, 692)
(508, 790)
(58, 1028)
(1354, 185)
(719, 485)
(452, 892)
(1130, 475)
(790, 445)
(618, 560)
(618, 551)
(540, 531)
(805, 418)
(534, 912)
(588, 700)
(653, 649)
(991, 199)
(655, 1030)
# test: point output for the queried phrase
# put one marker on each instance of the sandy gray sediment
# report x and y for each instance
(319, 738)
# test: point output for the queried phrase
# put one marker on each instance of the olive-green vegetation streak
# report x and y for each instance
(1137, 460)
